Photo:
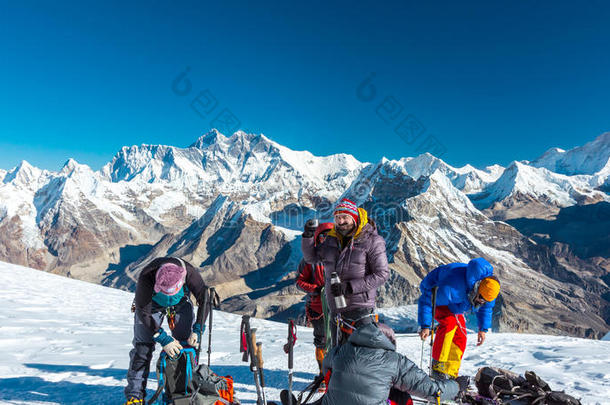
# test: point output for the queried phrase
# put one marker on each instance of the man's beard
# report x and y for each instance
(345, 231)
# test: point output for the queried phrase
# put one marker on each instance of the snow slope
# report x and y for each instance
(64, 341)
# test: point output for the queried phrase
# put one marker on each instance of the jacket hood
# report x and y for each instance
(477, 270)
(370, 336)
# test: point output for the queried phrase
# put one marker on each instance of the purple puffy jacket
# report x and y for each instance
(363, 262)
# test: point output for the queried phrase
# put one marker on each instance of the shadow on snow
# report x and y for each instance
(38, 389)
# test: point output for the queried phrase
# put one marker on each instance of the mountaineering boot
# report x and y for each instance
(436, 373)
(134, 401)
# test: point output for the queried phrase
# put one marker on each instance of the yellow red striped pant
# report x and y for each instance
(449, 341)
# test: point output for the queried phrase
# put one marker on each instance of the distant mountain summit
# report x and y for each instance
(591, 158)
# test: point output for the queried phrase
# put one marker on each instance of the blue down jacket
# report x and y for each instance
(455, 281)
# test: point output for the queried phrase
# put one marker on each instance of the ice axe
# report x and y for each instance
(214, 302)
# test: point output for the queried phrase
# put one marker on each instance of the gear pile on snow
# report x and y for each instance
(496, 386)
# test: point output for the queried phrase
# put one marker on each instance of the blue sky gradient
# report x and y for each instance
(488, 82)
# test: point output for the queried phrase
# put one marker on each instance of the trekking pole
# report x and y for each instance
(201, 320)
(288, 348)
(248, 348)
(214, 302)
(421, 355)
(261, 377)
(432, 326)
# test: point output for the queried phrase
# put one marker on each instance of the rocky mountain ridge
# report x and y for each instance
(235, 206)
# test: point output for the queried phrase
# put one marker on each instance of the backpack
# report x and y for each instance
(174, 376)
(490, 380)
(503, 386)
(398, 397)
(183, 383)
(209, 383)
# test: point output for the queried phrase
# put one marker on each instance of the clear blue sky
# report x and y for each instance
(493, 81)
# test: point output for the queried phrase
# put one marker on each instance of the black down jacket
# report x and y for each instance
(367, 366)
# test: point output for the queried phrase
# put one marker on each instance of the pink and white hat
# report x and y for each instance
(170, 278)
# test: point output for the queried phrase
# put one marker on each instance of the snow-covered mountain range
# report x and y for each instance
(235, 205)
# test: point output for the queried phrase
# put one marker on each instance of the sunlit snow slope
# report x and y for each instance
(64, 341)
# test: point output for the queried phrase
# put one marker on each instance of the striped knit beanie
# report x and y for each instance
(346, 206)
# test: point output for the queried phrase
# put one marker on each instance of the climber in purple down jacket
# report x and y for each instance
(357, 253)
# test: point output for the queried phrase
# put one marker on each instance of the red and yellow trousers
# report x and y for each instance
(449, 341)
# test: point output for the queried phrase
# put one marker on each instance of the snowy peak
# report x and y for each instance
(397, 180)
(242, 144)
(238, 138)
(439, 193)
(549, 158)
(234, 165)
(424, 165)
(26, 176)
(235, 144)
(150, 163)
(439, 181)
(207, 139)
(23, 173)
(522, 184)
(524, 179)
(72, 167)
(590, 158)
(467, 179)
(386, 188)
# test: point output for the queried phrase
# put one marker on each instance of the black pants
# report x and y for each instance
(338, 337)
(319, 334)
(144, 346)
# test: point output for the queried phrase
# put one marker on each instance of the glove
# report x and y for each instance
(310, 228)
(463, 381)
(172, 348)
(343, 288)
(318, 289)
(193, 339)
